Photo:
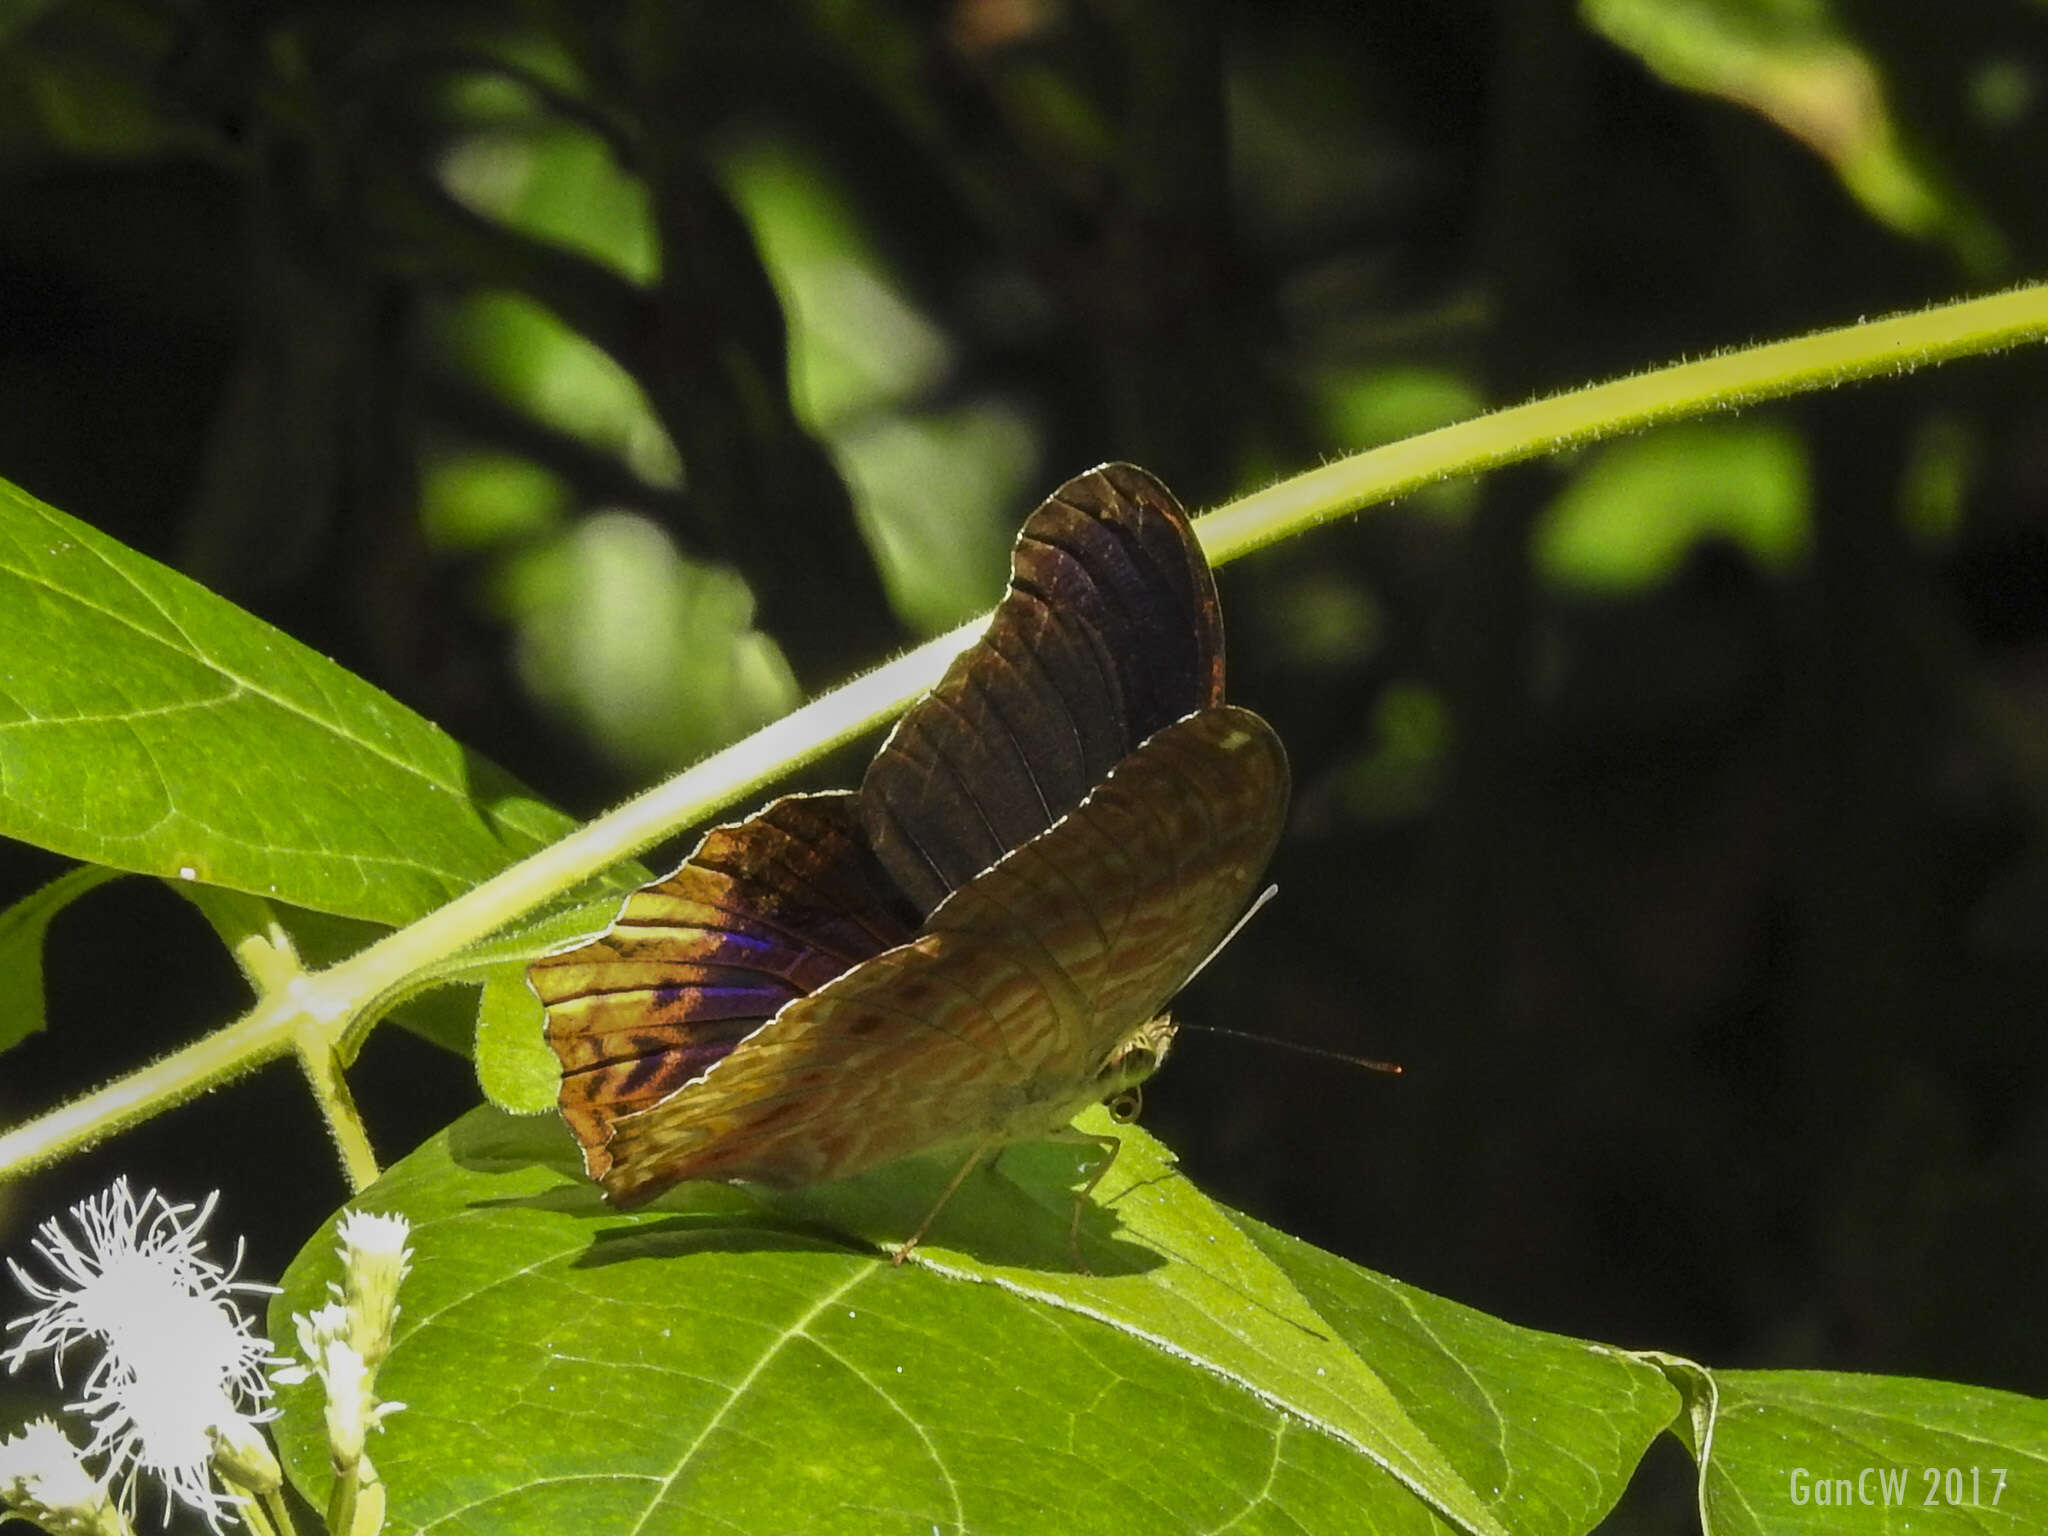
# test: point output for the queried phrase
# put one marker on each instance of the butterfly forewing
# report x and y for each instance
(764, 911)
(994, 1022)
(1109, 632)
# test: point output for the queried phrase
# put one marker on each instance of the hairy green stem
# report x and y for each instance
(341, 1502)
(1724, 382)
(280, 1513)
(321, 1063)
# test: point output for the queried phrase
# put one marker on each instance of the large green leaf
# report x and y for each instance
(1552, 1428)
(149, 725)
(715, 1362)
(1809, 1452)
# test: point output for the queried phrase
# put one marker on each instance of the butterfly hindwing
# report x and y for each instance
(765, 911)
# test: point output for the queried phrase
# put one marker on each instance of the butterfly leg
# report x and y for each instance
(974, 1160)
(1108, 1146)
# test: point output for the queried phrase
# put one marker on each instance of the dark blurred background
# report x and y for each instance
(602, 378)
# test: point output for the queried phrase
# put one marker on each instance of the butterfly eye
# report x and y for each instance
(1123, 1107)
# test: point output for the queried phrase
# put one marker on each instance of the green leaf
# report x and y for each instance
(147, 724)
(1554, 1426)
(577, 917)
(516, 1069)
(1825, 1452)
(1193, 1284)
(513, 1063)
(721, 1362)
(22, 929)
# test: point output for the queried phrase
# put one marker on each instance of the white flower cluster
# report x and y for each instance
(179, 1374)
(179, 1387)
(344, 1343)
(41, 1477)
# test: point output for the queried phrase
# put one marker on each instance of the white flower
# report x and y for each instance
(42, 1478)
(374, 1260)
(346, 1378)
(346, 1340)
(178, 1369)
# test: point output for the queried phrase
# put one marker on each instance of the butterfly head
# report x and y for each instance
(1136, 1057)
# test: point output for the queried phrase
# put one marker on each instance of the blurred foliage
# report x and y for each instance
(597, 377)
(1628, 516)
(1793, 62)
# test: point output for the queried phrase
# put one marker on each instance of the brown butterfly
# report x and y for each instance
(975, 945)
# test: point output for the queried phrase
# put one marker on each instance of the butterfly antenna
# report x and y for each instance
(1393, 1067)
(1251, 912)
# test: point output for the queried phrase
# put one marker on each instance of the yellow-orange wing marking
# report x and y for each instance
(764, 911)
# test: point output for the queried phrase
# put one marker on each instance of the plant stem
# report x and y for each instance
(341, 1502)
(280, 1513)
(328, 1002)
(1724, 382)
(324, 1076)
(258, 1036)
(255, 1519)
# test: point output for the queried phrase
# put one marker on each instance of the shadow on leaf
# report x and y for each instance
(1014, 1213)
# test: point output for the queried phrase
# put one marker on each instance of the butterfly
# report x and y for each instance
(979, 942)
